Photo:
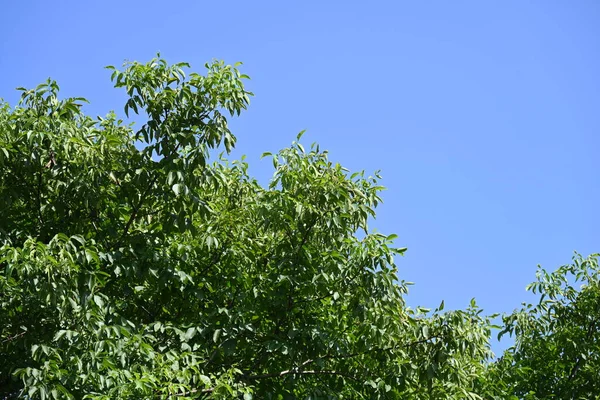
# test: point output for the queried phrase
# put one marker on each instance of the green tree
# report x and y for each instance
(134, 266)
(557, 341)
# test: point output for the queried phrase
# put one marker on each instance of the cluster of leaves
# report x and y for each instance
(132, 266)
(557, 341)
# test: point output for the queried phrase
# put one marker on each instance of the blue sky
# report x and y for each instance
(484, 117)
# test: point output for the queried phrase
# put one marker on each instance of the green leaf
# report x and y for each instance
(190, 333)
(425, 331)
(177, 188)
(216, 335)
(205, 380)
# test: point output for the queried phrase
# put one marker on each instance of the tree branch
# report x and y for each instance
(140, 203)
(577, 365)
(15, 337)
(298, 372)
(137, 208)
(39, 202)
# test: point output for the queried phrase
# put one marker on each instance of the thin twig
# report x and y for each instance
(15, 337)
(297, 372)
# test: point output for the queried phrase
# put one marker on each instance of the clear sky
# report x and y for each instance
(484, 116)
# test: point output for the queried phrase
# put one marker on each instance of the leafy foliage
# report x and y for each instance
(557, 341)
(132, 265)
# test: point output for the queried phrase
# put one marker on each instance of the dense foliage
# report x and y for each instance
(134, 266)
(557, 341)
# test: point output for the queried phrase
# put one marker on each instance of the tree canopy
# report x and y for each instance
(557, 341)
(143, 263)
